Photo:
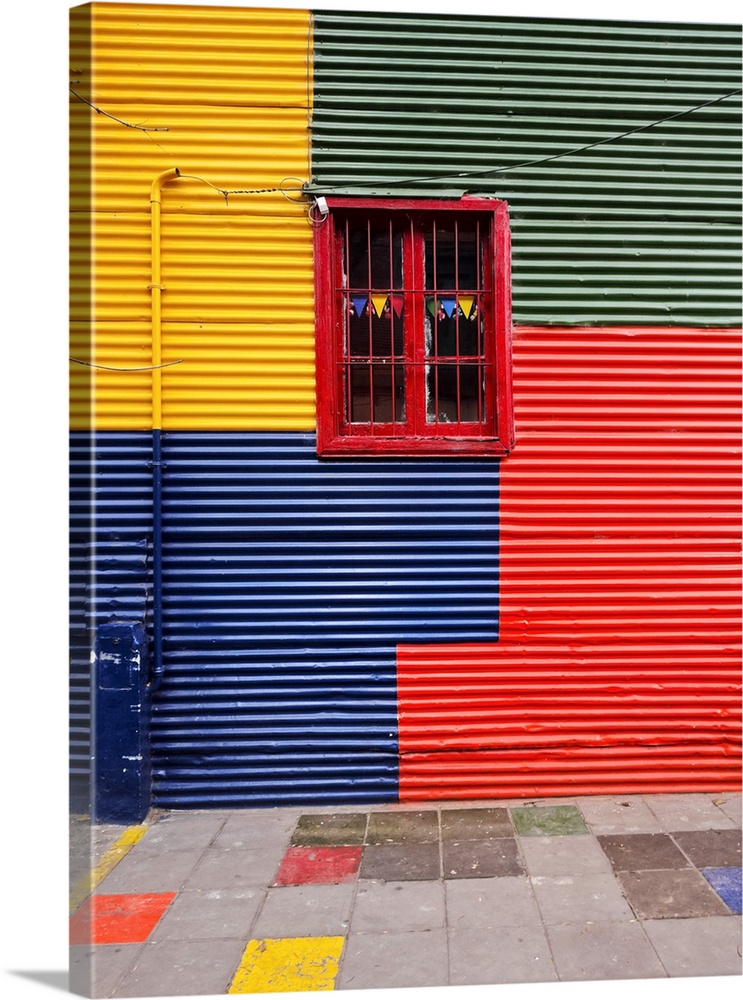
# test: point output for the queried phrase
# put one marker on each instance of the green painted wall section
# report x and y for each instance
(642, 229)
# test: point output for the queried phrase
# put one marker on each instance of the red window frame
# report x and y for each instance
(413, 367)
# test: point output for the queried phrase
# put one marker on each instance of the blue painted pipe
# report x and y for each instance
(157, 560)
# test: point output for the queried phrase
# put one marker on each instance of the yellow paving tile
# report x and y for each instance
(287, 965)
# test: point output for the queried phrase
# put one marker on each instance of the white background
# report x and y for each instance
(33, 328)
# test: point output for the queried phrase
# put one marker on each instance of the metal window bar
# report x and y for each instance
(480, 367)
(435, 344)
(347, 331)
(391, 314)
(370, 366)
(456, 323)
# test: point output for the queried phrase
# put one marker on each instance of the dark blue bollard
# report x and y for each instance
(120, 746)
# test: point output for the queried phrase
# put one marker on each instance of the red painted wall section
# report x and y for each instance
(618, 667)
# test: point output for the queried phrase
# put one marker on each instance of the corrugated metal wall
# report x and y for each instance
(282, 686)
(228, 91)
(110, 539)
(231, 89)
(618, 665)
(643, 229)
(288, 583)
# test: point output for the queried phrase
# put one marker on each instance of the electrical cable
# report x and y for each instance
(531, 163)
(109, 368)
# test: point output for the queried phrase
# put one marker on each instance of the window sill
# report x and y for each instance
(440, 447)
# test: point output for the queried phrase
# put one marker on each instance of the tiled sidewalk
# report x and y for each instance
(436, 894)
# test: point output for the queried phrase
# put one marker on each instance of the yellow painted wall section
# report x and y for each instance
(230, 90)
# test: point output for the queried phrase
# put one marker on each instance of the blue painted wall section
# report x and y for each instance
(288, 583)
(110, 536)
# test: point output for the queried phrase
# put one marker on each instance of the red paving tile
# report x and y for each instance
(304, 865)
(124, 919)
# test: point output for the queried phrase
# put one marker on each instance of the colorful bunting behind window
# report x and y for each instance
(446, 306)
(466, 302)
(359, 303)
(379, 302)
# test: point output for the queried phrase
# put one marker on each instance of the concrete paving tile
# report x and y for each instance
(731, 803)
(337, 829)
(256, 828)
(548, 821)
(569, 899)
(288, 965)
(126, 918)
(88, 843)
(199, 914)
(603, 951)
(165, 871)
(234, 869)
(305, 911)
(694, 811)
(97, 971)
(662, 894)
(618, 814)
(481, 858)
(494, 902)
(404, 906)
(575, 855)
(177, 832)
(103, 836)
(400, 862)
(403, 827)
(305, 865)
(475, 824)
(392, 960)
(499, 955)
(634, 852)
(704, 946)
(536, 800)
(397, 807)
(182, 968)
(711, 848)
(727, 884)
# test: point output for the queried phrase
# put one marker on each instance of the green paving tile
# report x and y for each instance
(330, 829)
(547, 821)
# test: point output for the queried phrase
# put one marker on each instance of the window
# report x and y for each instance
(414, 327)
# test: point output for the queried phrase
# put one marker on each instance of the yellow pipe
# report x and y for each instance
(156, 292)
(157, 413)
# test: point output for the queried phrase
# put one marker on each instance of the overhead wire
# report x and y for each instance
(305, 195)
(489, 171)
(111, 368)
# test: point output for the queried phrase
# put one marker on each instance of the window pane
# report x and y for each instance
(471, 393)
(373, 255)
(452, 256)
(470, 330)
(455, 394)
(375, 325)
(389, 406)
(359, 395)
(371, 396)
(453, 327)
(441, 394)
